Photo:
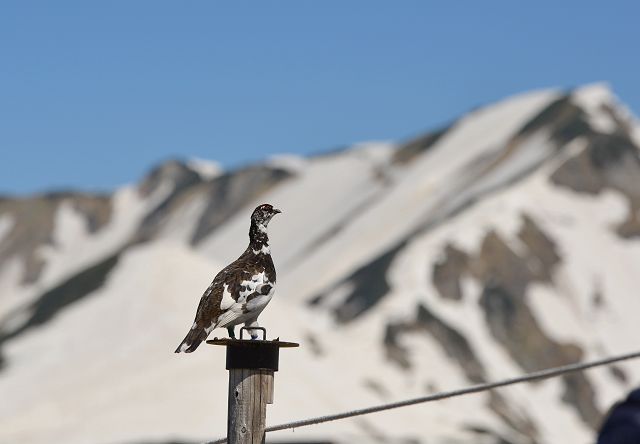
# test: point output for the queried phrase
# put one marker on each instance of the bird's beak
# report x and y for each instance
(276, 211)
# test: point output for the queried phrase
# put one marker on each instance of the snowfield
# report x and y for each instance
(101, 368)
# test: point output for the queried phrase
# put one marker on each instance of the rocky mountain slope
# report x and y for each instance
(507, 242)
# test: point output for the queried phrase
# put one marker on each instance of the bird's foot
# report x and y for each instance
(232, 334)
(253, 329)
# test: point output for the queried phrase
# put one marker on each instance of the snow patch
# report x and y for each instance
(182, 222)
(13, 296)
(378, 152)
(207, 169)
(69, 225)
(75, 247)
(594, 99)
(164, 274)
(635, 133)
(288, 162)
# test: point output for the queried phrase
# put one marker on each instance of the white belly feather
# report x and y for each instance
(234, 310)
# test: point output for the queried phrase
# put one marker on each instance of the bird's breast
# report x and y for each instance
(258, 303)
(254, 284)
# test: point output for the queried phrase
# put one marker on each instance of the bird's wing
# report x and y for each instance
(219, 304)
(209, 305)
(207, 313)
(231, 314)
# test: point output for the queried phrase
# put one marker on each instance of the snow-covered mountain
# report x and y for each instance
(506, 242)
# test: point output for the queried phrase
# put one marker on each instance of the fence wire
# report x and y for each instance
(529, 377)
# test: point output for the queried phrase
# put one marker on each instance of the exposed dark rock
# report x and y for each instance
(153, 222)
(174, 173)
(456, 346)
(580, 394)
(610, 161)
(448, 271)
(395, 351)
(597, 300)
(229, 193)
(498, 263)
(182, 183)
(49, 304)
(487, 433)
(562, 118)
(621, 122)
(430, 387)
(630, 228)
(377, 388)
(97, 209)
(510, 321)
(611, 150)
(516, 420)
(618, 373)
(412, 149)
(543, 254)
(453, 343)
(226, 194)
(369, 287)
(34, 224)
(579, 174)
(506, 276)
(312, 342)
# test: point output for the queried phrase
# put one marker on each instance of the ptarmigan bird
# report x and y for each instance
(241, 290)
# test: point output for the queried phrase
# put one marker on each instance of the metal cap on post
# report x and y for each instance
(251, 364)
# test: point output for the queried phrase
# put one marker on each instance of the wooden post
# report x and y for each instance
(251, 365)
(249, 393)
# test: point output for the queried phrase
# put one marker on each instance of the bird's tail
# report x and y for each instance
(192, 340)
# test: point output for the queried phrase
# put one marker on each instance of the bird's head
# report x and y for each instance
(263, 214)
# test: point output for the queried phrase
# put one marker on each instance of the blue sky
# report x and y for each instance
(92, 94)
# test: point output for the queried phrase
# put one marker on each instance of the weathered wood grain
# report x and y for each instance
(249, 393)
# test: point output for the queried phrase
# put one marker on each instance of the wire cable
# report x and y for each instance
(534, 376)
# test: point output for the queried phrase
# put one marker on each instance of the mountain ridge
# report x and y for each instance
(460, 256)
